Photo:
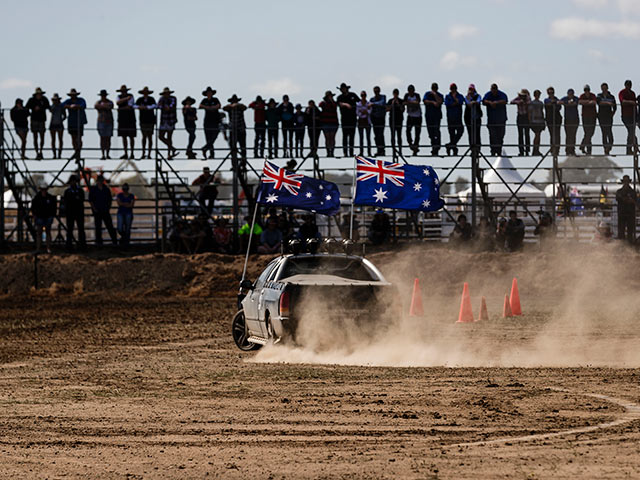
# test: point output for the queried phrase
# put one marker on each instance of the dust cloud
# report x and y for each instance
(580, 303)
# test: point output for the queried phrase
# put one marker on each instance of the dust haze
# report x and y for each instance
(580, 303)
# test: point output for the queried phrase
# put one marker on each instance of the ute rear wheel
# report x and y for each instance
(239, 332)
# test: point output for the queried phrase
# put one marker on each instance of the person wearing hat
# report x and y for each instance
(20, 118)
(395, 107)
(208, 191)
(237, 127)
(73, 201)
(259, 126)
(76, 120)
(104, 107)
(606, 111)
(167, 104)
(433, 101)
(190, 115)
(211, 123)
(626, 199)
(329, 120)
(126, 121)
(56, 125)
(43, 209)
(522, 121)
(347, 102)
(100, 200)
(588, 100)
(473, 117)
(38, 105)
(147, 106)
(272, 118)
(571, 120)
(454, 101)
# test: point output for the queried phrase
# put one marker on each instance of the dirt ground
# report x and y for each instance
(145, 382)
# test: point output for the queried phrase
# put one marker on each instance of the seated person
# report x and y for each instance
(193, 237)
(514, 232)
(271, 238)
(545, 228)
(244, 232)
(203, 223)
(380, 228)
(222, 236)
(175, 235)
(462, 231)
(308, 230)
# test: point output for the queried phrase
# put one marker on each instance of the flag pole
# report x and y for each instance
(253, 222)
(353, 196)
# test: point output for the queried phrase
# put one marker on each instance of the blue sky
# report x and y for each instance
(303, 48)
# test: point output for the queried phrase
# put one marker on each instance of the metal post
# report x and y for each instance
(234, 168)
(474, 181)
(157, 190)
(2, 171)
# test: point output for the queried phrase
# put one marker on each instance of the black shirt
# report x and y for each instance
(147, 116)
(44, 206)
(348, 115)
(20, 117)
(396, 110)
(73, 200)
(286, 114)
(190, 116)
(211, 117)
(100, 198)
(42, 104)
(626, 198)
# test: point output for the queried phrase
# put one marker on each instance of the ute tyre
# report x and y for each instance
(239, 333)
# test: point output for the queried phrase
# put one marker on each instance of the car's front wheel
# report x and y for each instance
(239, 332)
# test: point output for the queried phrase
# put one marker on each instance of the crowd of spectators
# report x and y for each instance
(293, 123)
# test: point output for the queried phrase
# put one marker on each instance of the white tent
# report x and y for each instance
(9, 200)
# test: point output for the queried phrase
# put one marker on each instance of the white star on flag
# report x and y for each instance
(320, 187)
(417, 187)
(328, 197)
(272, 198)
(426, 204)
(436, 181)
(380, 196)
(309, 195)
(427, 172)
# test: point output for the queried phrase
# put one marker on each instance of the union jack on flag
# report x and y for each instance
(289, 180)
(380, 170)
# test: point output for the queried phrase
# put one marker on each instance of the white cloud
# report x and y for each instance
(389, 81)
(461, 31)
(625, 7)
(10, 83)
(599, 56)
(575, 28)
(452, 60)
(595, 4)
(629, 7)
(277, 87)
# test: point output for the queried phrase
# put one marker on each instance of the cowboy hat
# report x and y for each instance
(55, 97)
(234, 98)
(166, 90)
(103, 92)
(189, 101)
(73, 92)
(343, 85)
(145, 90)
(39, 90)
(209, 90)
(524, 92)
(123, 88)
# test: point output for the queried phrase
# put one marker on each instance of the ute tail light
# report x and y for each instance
(284, 304)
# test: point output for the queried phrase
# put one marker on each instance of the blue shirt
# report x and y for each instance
(571, 116)
(475, 112)
(454, 110)
(76, 117)
(125, 199)
(378, 106)
(432, 113)
(496, 115)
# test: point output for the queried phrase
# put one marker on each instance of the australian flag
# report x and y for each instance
(395, 185)
(282, 188)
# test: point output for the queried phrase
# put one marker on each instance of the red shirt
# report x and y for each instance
(258, 115)
(628, 111)
(588, 111)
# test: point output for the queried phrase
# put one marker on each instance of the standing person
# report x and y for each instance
(147, 106)
(104, 107)
(313, 122)
(285, 110)
(606, 110)
(259, 126)
(167, 104)
(20, 117)
(237, 126)
(414, 118)
(190, 116)
(211, 106)
(473, 118)
(588, 101)
(299, 121)
(272, 116)
(363, 113)
(395, 106)
(571, 121)
(536, 120)
(73, 199)
(626, 198)
(433, 101)
(553, 118)
(496, 102)
(100, 200)
(208, 191)
(43, 209)
(454, 102)
(628, 108)
(347, 102)
(56, 126)
(126, 120)
(76, 120)
(38, 105)
(522, 121)
(329, 118)
(125, 201)
(378, 114)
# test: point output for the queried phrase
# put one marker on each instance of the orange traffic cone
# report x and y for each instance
(514, 300)
(506, 310)
(416, 308)
(484, 314)
(466, 313)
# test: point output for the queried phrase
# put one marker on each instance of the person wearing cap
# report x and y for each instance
(329, 119)
(73, 201)
(553, 118)
(104, 107)
(314, 126)
(38, 105)
(571, 121)
(473, 117)
(285, 109)
(453, 103)
(167, 104)
(126, 120)
(496, 102)
(588, 100)
(395, 107)
(299, 122)
(126, 201)
(414, 118)
(626, 199)
(76, 120)
(522, 121)
(272, 117)
(20, 117)
(100, 200)
(536, 120)
(237, 127)
(259, 126)
(628, 110)
(146, 104)
(56, 125)
(347, 103)
(433, 101)
(211, 124)
(378, 119)
(606, 111)
(43, 209)
(190, 115)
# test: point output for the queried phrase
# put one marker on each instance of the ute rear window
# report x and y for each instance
(342, 267)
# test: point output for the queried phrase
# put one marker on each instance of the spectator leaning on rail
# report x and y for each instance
(313, 121)
(395, 106)
(496, 102)
(606, 110)
(329, 117)
(363, 112)
(125, 200)
(347, 102)
(259, 126)
(571, 121)
(100, 200)
(147, 106)
(167, 104)
(553, 118)
(38, 105)
(414, 118)
(522, 121)
(43, 208)
(126, 120)
(378, 114)
(73, 203)
(454, 102)
(211, 123)
(20, 118)
(628, 108)
(514, 232)
(272, 116)
(536, 120)
(588, 101)
(285, 110)
(473, 117)
(237, 127)
(626, 199)
(433, 101)
(299, 122)
(104, 107)
(56, 125)
(190, 116)
(76, 120)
